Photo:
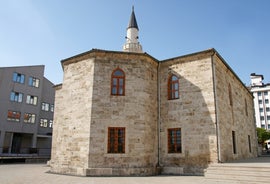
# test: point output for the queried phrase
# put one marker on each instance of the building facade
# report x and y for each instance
(27, 107)
(261, 94)
(127, 113)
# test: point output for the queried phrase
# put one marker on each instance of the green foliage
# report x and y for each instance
(263, 135)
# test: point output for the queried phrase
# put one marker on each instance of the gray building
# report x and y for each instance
(26, 111)
(261, 94)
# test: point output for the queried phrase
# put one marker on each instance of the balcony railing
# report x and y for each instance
(6, 151)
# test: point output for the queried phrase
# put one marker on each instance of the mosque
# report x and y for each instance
(125, 113)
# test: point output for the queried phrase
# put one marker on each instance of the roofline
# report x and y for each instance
(105, 51)
(23, 66)
(212, 52)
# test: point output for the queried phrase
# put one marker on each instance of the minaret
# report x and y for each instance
(132, 44)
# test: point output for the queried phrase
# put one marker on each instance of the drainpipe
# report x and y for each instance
(159, 119)
(216, 105)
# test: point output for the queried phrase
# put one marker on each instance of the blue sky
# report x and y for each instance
(43, 32)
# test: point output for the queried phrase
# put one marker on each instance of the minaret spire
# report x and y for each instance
(132, 44)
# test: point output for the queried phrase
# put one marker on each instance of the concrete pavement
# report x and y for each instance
(38, 174)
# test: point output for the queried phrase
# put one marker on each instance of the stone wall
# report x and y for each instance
(193, 112)
(85, 109)
(136, 111)
(237, 115)
(72, 117)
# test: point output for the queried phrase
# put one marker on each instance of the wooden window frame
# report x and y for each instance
(173, 145)
(116, 141)
(172, 90)
(117, 86)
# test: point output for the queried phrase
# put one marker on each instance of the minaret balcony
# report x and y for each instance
(132, 47)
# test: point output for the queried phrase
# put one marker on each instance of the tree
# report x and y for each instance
(263, 135)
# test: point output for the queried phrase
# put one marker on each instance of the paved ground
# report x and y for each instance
(38, 174)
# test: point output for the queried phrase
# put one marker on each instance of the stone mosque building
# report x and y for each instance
(123, 113)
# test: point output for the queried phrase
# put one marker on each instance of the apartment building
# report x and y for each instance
(261, 93)
(26, 111)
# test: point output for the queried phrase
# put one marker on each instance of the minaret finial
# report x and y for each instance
(132, 44)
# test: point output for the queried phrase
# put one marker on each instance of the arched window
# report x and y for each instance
(118, 82)
(173, 87)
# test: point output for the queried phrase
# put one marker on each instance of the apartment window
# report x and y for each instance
(29, 118)
(268, 118)
(19, 78)
(16, 97)
(13, 116)
(174, 140)
(265, 93)
(43, 123)
(266, 101)
(259, 93)
(51, 124)
(267, 109)
(31, 100)
(268, 126)
(45, 106)
(234, 142)
(116, 140)
(230, 95)
(263, 126)
(261, 109)
(34, 82)
(173, 87)
(262, 118)
(118, 82)
(52, 107)
(260, 101)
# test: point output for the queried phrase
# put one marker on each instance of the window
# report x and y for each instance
(16, 97)
(52, 107)
(246, 110)
(249, 144)
(263, 126)
(259, 93)
(261, 109)
(230, 95)
(43, 123)
(265, 93)
(267, 109)
(260, 101)
(262, 118)
(173, 87)
(174, 140)
(116, 140)
(19, 78)
(34, 82)
(45, 106)
(234, 142)
(266, 101)
(31, 100)
(29, 118)
(118, 83)
(268, 118)
(51, 124)
(13, 116)
(268, 128)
